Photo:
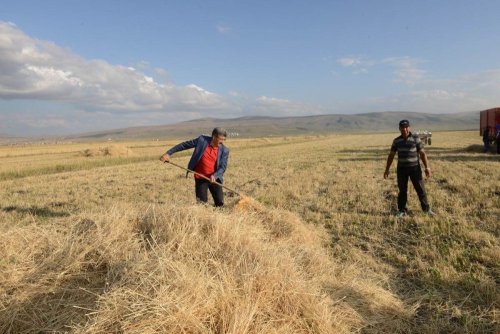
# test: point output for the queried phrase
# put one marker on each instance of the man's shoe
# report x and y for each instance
(400, 214)
(430, 213)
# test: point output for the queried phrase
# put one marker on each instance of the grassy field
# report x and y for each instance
(103, 238)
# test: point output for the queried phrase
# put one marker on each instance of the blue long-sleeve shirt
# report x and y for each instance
(200, 144)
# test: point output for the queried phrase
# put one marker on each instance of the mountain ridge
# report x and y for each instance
(257, 126)
(265, 126)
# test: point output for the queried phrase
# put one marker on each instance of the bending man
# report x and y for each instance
(210, 160)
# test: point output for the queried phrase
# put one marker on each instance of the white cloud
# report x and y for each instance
(349, 61)
(272, 101)
(434, 97)
(34, 69)
(474, 91)
(51, 121)
(272, 106)
(425, 93)
(359, 65)
(406, 69)
(161, 72)
(223, 28)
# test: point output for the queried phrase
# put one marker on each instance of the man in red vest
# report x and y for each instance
(210, 160)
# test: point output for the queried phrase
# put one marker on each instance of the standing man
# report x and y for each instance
(210, 160)
(498, 138)
(409, 149)
(486, 139)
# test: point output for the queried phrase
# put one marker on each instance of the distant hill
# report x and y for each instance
(6, 139)
(256, 126)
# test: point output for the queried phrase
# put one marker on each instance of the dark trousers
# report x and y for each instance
(486, 145)
(202, 186)
(415, 175)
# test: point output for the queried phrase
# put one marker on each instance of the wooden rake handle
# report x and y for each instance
(204, 177)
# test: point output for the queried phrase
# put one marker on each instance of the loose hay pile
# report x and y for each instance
(187, 270)
(111, 150)
(245, 203)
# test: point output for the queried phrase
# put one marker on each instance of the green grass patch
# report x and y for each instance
(71, 167)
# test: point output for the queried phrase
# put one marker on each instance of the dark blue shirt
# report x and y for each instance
(200, 144)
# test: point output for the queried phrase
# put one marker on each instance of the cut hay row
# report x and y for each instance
(185, 270)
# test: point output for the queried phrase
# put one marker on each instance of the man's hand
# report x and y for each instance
(212, 179)
(428, 172)
(165, 158)
(423, 156)
(386, 174)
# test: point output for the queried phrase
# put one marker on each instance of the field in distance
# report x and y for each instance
(102, 237)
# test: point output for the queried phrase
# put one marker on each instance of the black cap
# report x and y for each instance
(404, 123)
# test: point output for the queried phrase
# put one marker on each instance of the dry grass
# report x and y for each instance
(312, 248)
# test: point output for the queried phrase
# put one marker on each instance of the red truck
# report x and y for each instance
(489, 118)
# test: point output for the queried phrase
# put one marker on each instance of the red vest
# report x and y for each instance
(206, 165)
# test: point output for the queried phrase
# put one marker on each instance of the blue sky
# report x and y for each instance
(76, 66)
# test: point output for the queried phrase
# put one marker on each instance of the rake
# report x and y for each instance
(206, 178)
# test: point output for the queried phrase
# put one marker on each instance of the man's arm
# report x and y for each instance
(425, 161)
(179, 147)
(390, 158)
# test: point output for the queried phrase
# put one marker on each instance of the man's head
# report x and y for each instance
(218, 136)
(404, 127)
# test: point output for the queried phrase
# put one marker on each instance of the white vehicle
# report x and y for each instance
(425, 136)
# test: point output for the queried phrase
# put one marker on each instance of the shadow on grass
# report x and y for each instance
(36, 211)
(474, 153)
(380, 316)
(368, 154)
(375, 158)
(441, 298)
(457, 158)
(377, 151)
(474, 148)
